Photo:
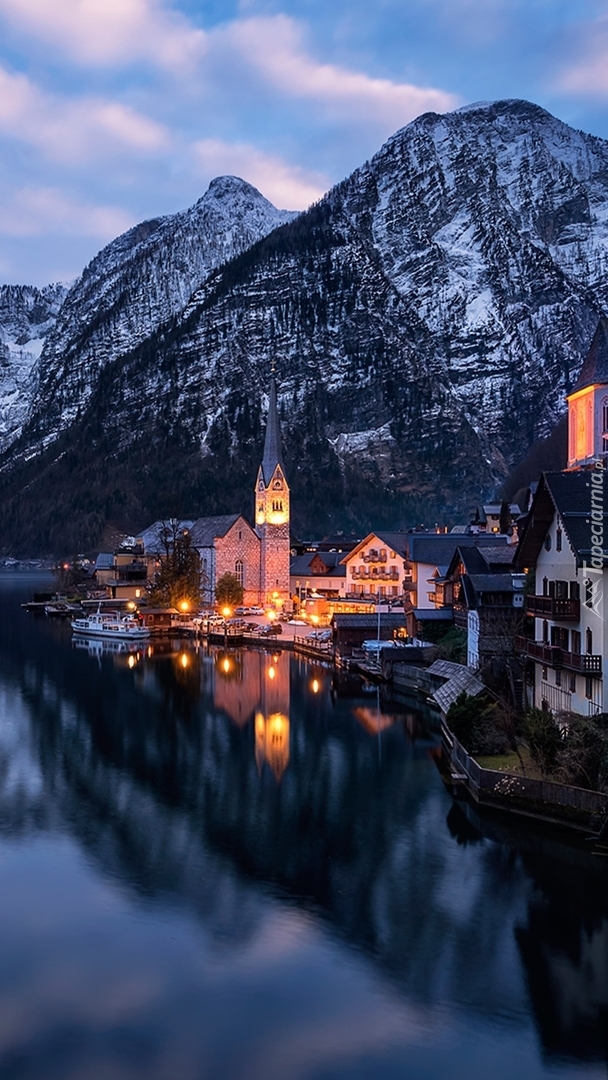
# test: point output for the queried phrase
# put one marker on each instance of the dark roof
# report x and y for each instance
(104, 561)
(438, 548)
(368, 622)
(205, 529)
(433, 614)
(595, 364)
(568, 494)
(272, 442)
(492, 583)
(300, 565)
(151, 536)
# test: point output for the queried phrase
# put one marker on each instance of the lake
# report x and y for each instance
(220, 865)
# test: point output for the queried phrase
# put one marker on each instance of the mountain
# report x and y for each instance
(26, 317)
(426, 319)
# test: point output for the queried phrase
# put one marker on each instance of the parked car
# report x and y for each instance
(255, 611)
(271, 630)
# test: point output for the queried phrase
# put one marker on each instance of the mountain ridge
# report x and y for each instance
(426, 319)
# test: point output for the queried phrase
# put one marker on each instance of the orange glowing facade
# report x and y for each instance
(587, 425)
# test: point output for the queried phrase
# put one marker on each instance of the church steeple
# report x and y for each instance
(272, 443)
(588, 405)
(272, 512)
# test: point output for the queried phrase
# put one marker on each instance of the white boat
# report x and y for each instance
(116, 627)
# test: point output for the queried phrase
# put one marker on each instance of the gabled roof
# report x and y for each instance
(569, 495)
(300, 565)
(272, 443)
(152, 535)
(394, 541)
(205, 530)
(595, 364)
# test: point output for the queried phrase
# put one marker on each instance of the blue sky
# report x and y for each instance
(113, 111)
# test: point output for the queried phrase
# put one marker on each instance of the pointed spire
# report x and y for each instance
(595, 365)
(272, 444)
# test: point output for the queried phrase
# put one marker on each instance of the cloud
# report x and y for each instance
(75, 130)
(290, 187)
(589, 74)
(108, 32)
(274, 47)
(39, 211)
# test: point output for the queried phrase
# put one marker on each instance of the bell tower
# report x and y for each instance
(588, 405)
(272, 512)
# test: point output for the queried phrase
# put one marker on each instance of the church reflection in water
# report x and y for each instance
(254, 687)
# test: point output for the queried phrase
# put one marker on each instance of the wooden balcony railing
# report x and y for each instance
(553, 656)
(550, 607)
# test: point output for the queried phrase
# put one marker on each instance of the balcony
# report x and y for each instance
(553, 656)
(549, 607)
(374, 556)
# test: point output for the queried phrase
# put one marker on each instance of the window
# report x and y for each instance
(575, 590)
(605, 415)
(545, 587)
(561, 590)
(576, 642)
(545, 631)
(240, 534)
(544, 672)
(548, 542)
(573, 682)
(239, 571)
(589, 688)
(558, 540)
(558, 677)
(589, 637)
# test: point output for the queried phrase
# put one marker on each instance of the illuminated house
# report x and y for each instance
(565, 538)
(258, 556)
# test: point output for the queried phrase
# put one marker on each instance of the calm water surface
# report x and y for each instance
(225, 866)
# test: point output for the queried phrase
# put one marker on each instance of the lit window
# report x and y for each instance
(239, 571)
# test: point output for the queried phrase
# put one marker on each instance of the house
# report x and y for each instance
(487, 599)
(375, 568)
(564, 539)
(570, 640)
(124, 572)
(320, 573)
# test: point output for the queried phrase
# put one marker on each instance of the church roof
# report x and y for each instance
(272, 444)
(595, 365)
(205, 529)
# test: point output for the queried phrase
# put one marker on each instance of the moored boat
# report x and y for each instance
(117, 627)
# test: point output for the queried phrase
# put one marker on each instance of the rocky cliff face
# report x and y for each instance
(425, 318)
(27, 315)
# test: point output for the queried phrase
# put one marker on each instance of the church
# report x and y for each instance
(258, 556)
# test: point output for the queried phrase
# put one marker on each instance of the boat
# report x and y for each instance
(113, 627)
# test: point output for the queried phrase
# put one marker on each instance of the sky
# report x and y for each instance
(115, 111)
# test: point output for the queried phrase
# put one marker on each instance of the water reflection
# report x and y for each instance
(245, 791)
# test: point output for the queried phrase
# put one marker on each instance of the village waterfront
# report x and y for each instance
(236, 863)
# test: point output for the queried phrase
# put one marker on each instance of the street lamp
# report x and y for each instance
(226, 612)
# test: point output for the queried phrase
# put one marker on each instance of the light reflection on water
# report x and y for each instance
(227, 864)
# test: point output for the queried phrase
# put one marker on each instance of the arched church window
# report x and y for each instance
(278, 485)
(239, 571)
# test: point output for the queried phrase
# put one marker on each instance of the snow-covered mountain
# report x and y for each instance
(137, 283)
(26, 316)
(426, 319)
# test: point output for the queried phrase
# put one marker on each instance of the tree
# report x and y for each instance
(228, 591)
(178, 581)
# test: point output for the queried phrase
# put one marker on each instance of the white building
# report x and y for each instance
(565, 540)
